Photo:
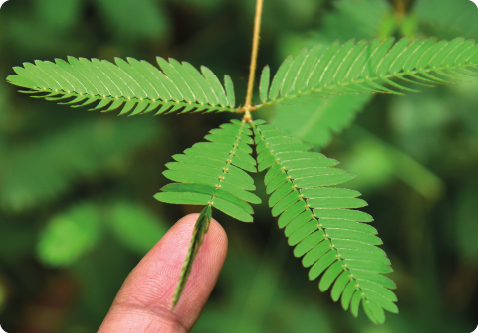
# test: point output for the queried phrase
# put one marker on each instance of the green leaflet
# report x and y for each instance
(200, 229)
(131, 86)
(231, 98)
(264, 84)
(211, 173)
(354, 68)
(322, 224)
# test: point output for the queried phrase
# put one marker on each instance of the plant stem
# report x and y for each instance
(252, 70)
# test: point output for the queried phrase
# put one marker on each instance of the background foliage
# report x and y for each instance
(76, 188)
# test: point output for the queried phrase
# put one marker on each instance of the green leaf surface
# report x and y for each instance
(278, 79)
(231, 209)
(209, 190)
(322, 264)
(353, 215)
(231, 99)
(317, 252)
(367, 265)
(280, 193)
(289, 214)
(285, 203)
(355, 303)
(330, 275)
(339, 286)
(336, 202)
(177, 79)
(215, 85)
(354, 235)
(290, 77)
(302, 232)
(308, 244)
(347, 224)
(347, 295)
(307, 69)
(264, 84)
(132, 87)
(184, 198)
(299, 221)
(374, 311)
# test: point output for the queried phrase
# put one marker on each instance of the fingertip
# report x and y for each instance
(148, 290)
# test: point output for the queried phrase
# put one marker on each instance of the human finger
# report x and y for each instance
(143, 304)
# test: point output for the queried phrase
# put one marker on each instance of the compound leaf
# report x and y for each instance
(354, 68)
(322, 223)
(131, 86)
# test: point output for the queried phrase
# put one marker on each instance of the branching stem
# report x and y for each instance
(252, 70)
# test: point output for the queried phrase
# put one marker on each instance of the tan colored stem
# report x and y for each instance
(255, 47)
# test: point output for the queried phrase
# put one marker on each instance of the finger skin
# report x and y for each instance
(143, 304)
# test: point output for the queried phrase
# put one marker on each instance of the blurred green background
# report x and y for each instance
(76, 187)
